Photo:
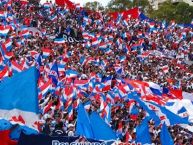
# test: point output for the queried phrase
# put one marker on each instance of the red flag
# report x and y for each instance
(4, 72)
(60, 2)
(177, 93)
(4, 138)
(120, 127)
(128, 137)
(24, 2)
(133, 13)
(68, 3)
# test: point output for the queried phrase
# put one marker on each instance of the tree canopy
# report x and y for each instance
(180, 12)
(119, 5)
(94, 6)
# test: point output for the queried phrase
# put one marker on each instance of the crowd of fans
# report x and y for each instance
(132, 46)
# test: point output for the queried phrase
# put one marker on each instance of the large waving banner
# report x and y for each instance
(68, 3)
(132, 13)
(19, 99)
(48, 140)
(60, 2)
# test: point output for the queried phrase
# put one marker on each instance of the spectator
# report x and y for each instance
(46, 128)
(71, 130)
(59, 131)
(128, 53)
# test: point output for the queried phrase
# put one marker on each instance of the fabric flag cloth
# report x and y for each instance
(60, 2)
(17, 130)
(169, 117)
(4, 31)
(83, 126)
(142, 132)
(59, 40)
(54, 73)
(165, 136)
(4, 138)
(182, 108)
(5, 125)
(65, 2)
(44, 89)
(19, 99)
(100, 129)
(71, 73)
(176, 92)
(151, 113)
(133, 13)
(107, 83)
(4, 73)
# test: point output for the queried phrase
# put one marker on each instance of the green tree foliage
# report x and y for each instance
(180, 12)
(166, 11)
(141, 3)
(119, 5)
(94, 6)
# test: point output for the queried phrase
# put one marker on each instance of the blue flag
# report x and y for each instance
(142, 132)
(16, 132)
(19, 99)
(83, 126)
(156, 91)
(165, 136)
(142, 104)
(38, 61)
(5, 125)
(182, 110)
(134, 110)
(54, 73)
(71, 73)
(173, 118)
(100, 129)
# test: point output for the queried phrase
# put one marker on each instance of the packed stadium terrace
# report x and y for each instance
(135, 74)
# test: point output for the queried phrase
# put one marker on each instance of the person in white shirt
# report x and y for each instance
(70, 130)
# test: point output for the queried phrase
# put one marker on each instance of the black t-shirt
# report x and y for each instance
(46, 129)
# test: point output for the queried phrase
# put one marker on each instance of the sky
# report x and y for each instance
(82, 2)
